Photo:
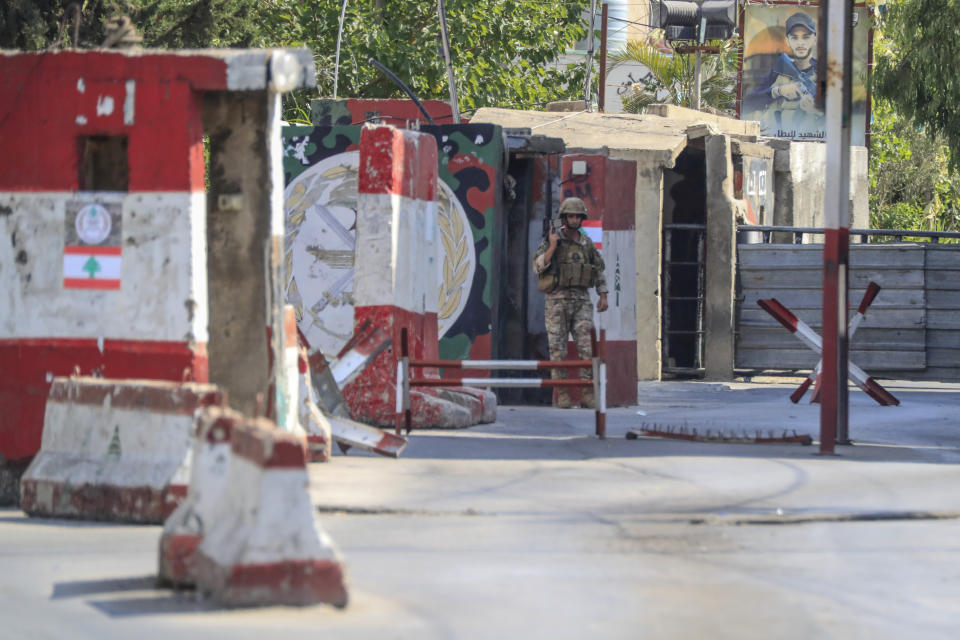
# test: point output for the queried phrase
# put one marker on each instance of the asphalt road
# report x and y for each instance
(532, 528)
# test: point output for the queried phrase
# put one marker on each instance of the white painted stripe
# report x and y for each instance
(500, 364)
(394, 260)
(75, 266)
(164, 270)
(399, 389)
(129, 102)
(497, 382)
(809, 337)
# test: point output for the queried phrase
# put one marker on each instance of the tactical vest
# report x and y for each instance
(575, 265)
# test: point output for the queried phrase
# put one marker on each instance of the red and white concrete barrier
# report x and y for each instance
(263, 545)
(395, 274)
(114, 449)
(184, 529)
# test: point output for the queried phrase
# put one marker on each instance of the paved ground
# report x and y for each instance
(532, 528)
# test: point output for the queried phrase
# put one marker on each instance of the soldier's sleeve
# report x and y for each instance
(601, 271)
(538, 259)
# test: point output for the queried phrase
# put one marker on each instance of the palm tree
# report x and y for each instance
(671, 77)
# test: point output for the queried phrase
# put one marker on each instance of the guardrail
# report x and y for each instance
(865, 234)
(597, 364)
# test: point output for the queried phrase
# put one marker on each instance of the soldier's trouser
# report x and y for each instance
(566, 316)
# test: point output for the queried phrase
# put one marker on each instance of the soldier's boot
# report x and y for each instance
(563, 399)
(586, 399)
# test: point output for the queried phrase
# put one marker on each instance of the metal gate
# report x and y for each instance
(683, 296)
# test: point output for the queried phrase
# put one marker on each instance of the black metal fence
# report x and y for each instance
(872, 236)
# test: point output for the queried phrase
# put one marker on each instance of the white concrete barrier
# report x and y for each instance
(263, 545)
(114, 449)
(184, 529)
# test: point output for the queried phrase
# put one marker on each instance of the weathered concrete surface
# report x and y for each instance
(530, 527)
(745, 128)
(237, 240)
(719, 320)
(799, 184)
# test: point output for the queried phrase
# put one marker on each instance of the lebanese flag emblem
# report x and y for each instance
(90, 267)
(594, 230)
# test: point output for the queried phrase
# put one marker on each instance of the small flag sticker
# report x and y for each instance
(594, 230)
(87, 267)
(92, 252)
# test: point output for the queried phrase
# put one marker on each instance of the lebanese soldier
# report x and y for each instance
(567, 265)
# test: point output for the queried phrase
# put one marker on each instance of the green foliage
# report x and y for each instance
(911, 186)
(671, 78)
(501, 50)
(504, 52)
(917, 66)
(38, 24)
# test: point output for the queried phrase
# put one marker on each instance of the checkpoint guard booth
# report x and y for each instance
(130, 248)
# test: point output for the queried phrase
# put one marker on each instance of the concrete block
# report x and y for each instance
(184, 529)
(264, 545)
(114, 449)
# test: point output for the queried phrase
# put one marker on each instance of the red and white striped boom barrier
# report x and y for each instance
(597, 364)
(809, 337)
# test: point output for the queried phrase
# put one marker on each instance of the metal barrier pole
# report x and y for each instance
(601, 417)
(403, 418)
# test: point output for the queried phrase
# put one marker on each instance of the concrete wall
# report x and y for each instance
(648, 244)
(799, 170)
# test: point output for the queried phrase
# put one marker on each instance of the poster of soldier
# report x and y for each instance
(780, 70)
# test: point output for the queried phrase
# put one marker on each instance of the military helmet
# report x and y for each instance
(572, 206)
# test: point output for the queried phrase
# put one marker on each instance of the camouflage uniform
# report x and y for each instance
(569, 311)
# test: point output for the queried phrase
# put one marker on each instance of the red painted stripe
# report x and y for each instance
(263, 444)
(27, 366)
(397, 162)
(216, 425)
(868, 297)
(88, 250)
(46, 498)
(91, 283)
(164, 143)
(177, 553)
(780, 313)
(878, 393)
(287, 581)
(802, 389)
(153, 396)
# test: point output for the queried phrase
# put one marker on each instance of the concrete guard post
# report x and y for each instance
(395, 283)
(263, 545)
(114, 449)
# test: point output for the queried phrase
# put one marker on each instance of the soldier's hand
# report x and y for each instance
(602, 303)
(554, 237)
